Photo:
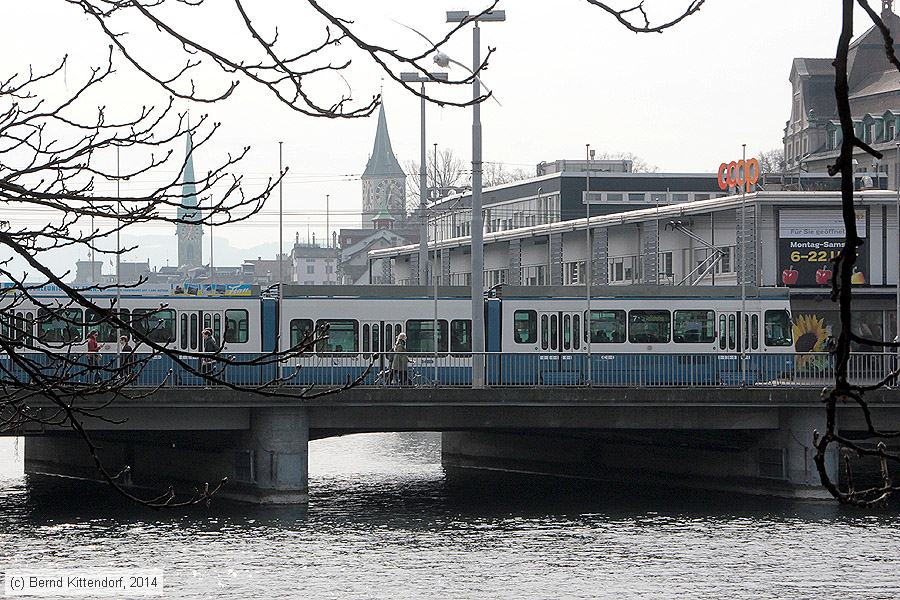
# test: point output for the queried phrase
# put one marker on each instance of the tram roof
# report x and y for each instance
(507, 291)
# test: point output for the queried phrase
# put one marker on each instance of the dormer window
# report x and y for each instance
(891, 131)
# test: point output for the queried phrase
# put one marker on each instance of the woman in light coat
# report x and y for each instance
(400, 361)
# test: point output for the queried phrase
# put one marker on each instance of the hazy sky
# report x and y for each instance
(565, 72)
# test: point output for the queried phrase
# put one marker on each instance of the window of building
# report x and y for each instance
(155, 324)
(664, 260)
(614, 197)
(343, 335)
(329, 269)
(694, 326)
(659, 198)
(608, 326)
(701, 196)
(310, 269)
(726, 265)
(237, 326)
(420, 335)
(778, 328)
(891, 131)
(60, 326)
(636, 197)
(535, 275)
(682, 197)
(649, 326)
(525, 326)
(572, 272)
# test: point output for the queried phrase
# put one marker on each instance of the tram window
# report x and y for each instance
(376, 338)
(29, 328)
(300, 328)
(607, 326)
(207, 321)
(23, 327)
(732, 337)
(576, 328)
(778, 328)
(567, 332)
(237, 326)
(343, 335)
(365, 338)
(746, 331)
(106, 331)
(461, 335)
(545, 332)
(525, 326)
(554, 332)
(754, 332)
(4, 326)
(649, 326)
(723, 331)
(217, 326)
(193, 331)
(61, 326)
(157, 325)
(184, 331)
(420, 335)
(694, 327)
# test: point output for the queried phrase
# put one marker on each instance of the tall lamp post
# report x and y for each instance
(278, 256)
(897, 183)
(588, 257)
(423, 171)
(462, 16)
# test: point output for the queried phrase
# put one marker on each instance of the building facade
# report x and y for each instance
(812, 134)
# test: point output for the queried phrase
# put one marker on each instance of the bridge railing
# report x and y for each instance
(617, 370)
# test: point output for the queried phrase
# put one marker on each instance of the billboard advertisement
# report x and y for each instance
(808, 241)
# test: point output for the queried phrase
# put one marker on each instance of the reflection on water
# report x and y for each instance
(386, 521)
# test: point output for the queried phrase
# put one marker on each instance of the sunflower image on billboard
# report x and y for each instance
(808, 243)
(810, 336)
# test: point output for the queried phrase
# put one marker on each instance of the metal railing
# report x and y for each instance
(448, 370)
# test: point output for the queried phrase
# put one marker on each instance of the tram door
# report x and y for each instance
(378, 337)
(561, 344)
(730, 343)
(192, 325)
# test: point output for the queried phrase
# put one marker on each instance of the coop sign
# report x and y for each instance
(738, 173)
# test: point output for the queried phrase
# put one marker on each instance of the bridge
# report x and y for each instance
(740, 435)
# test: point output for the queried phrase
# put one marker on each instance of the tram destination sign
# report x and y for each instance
(808, 241)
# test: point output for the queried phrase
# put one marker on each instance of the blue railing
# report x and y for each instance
(614, 370)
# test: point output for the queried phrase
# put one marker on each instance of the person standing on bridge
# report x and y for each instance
(93, 355)
(210, 347)
(400, 361)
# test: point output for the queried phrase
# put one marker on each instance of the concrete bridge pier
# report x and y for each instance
(279, 440)
(262, 451)
(772, 455)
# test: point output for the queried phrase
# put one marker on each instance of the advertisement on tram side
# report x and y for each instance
(809, 240)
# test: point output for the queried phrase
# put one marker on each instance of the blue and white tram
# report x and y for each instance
(645, 336)
(363, 324)
(636, 335)
(175, 322)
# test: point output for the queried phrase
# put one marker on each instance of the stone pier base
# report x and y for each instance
(266, 464)
(775, 462)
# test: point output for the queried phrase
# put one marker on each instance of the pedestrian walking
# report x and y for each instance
(400, 361)
(126, 357)
(93, 355)
(210, 347)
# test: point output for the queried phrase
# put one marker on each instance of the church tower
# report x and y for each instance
(383, 181)
(190, 234)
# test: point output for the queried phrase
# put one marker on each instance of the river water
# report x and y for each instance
(386, 521)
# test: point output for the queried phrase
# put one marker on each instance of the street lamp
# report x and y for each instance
(423, 173)
(462, 16)
(897, 183)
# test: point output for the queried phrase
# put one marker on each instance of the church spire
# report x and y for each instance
(382, 162)
(190, 235)
(887, 6)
